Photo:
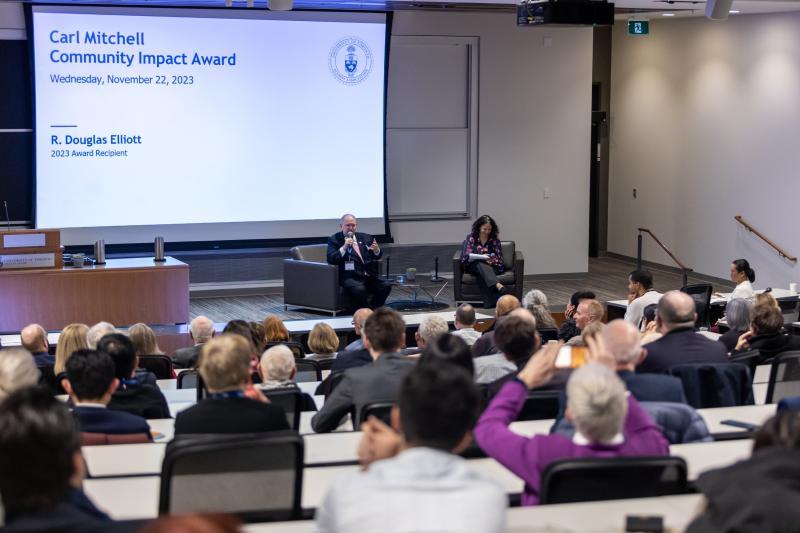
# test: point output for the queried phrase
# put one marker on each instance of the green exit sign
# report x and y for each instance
(638, 27)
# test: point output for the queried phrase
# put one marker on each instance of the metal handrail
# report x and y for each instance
(683, 267)
(751, 229)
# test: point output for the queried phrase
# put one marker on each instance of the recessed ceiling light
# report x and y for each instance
(668, 14)
(734, 11)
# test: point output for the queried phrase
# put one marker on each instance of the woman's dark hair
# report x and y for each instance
(447, 348)
(485, 219)
(782, 430)
(742, 265)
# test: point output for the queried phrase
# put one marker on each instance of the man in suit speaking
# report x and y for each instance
(356, 255)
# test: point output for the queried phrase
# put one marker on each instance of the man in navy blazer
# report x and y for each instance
(90, 384)
(356, 254)
(623, 341)
(680, 344)
(34, 339)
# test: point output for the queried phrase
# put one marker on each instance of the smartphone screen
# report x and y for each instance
(571, 357)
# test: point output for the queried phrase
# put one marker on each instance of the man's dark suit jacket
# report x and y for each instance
(484, 345)
(75, 513)
(187, 357)
(44, 359)
(103, 420)
(343, 361)
(653, 387)
(366, 268)
(230, 415)
(680, 347)
(377, 382)
(140, 400)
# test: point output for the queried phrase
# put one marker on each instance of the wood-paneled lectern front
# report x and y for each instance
(30, 248)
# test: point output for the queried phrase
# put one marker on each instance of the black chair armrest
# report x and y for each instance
(311, 284)
(519, 273)
(457, 271)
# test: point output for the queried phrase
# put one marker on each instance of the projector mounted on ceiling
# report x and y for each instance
(568, 12)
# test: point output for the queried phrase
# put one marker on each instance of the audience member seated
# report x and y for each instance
(90, 384)
(623, 342)
(760, 494)
(568, 329)
(243, 329)
(34, 339)
(535, 301)
(274, 329)
(640, 294)
(323, 342)
(431, 327)
(377, 382)
(591, 330)
(201, 330)
(516, 338)
(97, 332)
(485, 344)
(226, 372)
(418, 482)
(448, 349)
(766, 335)
(359, 317)
(144, 340)
(131, 396)
(259, 335)
(588, 312)
(72, 338)
(277, 370)
(650, 332)
(680, 344)
(465, 324)
(738, 313)
(41, 467)
(743, 276)
(349, 358)
(607, 423)
(17, 371)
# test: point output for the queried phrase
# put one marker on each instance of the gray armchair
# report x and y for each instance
(310, 282)
(465, 286)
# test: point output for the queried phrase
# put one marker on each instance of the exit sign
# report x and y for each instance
(638, 27)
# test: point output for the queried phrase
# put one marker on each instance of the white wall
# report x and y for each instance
(534, 119)
(705, 123)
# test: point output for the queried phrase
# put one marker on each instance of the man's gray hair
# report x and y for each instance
(533, 298)
(97, 332)
(623, 341)
(597, 402)
(432, 327)
(17, 370)
(738, 314)
(202, 329)
(277, 363)
(351, 215)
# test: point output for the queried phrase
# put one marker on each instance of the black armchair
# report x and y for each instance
(310, 282)
(465, 286)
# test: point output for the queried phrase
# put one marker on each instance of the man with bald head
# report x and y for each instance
(359, 317)
(623, 342)
(34, 339)
(485, 345)
(201, 330)
(680, 344)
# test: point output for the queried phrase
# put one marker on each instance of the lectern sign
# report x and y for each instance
(46, 260)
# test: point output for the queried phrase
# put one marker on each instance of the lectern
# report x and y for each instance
(30, 248)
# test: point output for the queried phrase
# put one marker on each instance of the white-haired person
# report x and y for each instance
(201, 330)
(97, 332)
(536, 302)
(608, 421)
(430, 328)
(278, 370)
(17, 371)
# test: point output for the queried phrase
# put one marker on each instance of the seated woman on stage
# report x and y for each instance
(608, 421)
(482, 256)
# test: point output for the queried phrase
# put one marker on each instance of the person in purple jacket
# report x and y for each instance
(608, 421)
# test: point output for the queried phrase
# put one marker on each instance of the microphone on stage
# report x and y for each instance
(350, 235)
(8, 219)
(435, 276)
